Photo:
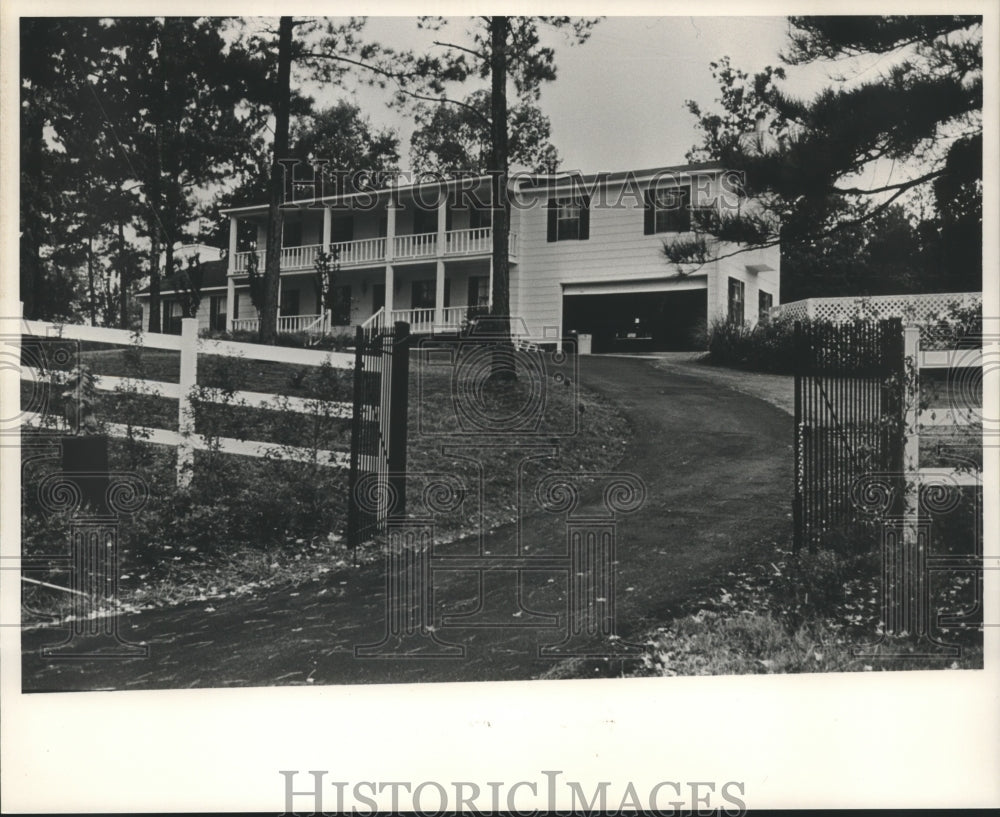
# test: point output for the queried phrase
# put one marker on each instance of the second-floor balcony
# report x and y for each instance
(474, 242)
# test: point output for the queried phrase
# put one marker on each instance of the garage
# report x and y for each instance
(637, 317)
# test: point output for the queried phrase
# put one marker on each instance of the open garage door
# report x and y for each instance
(639, 321)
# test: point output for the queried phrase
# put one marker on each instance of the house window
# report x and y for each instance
(479, 290)
(289, 302)
(342, 305)
(736, 310)
(569, 219)
(170, 322)
(668, 210)
(217, 313)
(422, 295)
(765, 300)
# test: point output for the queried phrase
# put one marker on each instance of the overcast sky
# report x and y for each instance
(618, 100)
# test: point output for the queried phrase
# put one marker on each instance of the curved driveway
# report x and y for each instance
(717, 467)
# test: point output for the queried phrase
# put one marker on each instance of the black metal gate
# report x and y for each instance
(376, 486)
(848, 416)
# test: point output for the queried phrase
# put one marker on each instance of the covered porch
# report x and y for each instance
(433, 297)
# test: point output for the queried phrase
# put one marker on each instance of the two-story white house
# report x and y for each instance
(586, 256)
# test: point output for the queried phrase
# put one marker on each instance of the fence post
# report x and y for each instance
(185, 411)
(357, 422)
(399, 375)
(911, 434)
(799, 366)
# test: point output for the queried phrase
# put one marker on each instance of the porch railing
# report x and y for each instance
(286, 323)
(417, 245)
(475, 241)
(364, 251)
(454, 316)
(420, 320)
(291, 258)
(376, 321)
(465, 242)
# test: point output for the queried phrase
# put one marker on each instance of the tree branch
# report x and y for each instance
(398, 77)
(474, 53)
(900, 186)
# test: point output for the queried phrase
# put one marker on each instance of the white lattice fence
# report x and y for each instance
(796, 310)
(911, 308)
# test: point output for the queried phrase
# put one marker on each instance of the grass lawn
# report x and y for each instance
(206, 544)
(812, 613)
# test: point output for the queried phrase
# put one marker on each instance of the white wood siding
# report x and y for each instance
(617, 250)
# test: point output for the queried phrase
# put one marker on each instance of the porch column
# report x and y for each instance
(439, 294)
(232, 244)
(442, 221)
(327, 228)
(230, 301)
(489, 297)
(390, 240)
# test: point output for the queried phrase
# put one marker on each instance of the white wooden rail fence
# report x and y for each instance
(190, 346)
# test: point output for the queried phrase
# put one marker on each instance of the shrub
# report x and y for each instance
(297, 340)
(768, 347)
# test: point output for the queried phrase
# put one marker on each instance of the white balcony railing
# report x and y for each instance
(467, 242)
(291, 258)
(365, 251)
(371, 251)
(417, 245)
(243, 261)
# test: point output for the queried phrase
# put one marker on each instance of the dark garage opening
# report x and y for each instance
(639, 321)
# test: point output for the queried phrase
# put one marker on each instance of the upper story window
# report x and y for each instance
(569, 219)
(668, 210)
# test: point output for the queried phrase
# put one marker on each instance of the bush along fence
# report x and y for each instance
(187, 391)
(770, 345)
(859, 479)
(167, 398)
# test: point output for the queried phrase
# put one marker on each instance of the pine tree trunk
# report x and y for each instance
(272, 257)
(501, 205)
(91, 293)
(122, 275)
(32, 269)
(154, 201)
(154, 278)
